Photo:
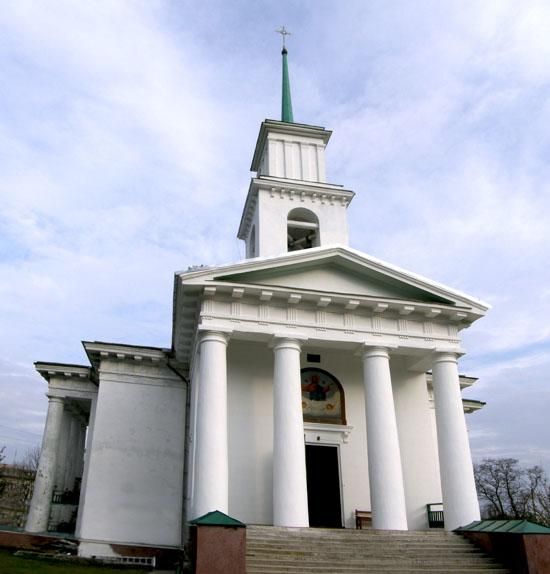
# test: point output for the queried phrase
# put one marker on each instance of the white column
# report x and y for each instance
(211, 457)
(39, 510)
(385, 472)
(460, 503)
(62, 446)
(289, 458)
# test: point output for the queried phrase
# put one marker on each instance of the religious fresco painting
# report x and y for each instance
(322, 397)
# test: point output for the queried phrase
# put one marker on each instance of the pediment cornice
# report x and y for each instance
(232, 297)
(346, 257)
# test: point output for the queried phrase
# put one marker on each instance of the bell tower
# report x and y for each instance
(290, 206)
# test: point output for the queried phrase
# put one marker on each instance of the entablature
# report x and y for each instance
(324, 317)
(63, 370)
(76, 385)
(224, 292)
(98, 351)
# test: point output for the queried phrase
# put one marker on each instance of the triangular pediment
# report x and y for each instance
(334, 277)
(339, 270)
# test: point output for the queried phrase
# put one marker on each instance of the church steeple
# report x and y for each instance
(286, 107)
(290, 206)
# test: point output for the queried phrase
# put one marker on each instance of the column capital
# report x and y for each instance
(218, 336)
(366, 350)
(445, 356)
(285, 342)
(55, 399)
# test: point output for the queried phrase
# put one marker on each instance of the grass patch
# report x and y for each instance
(10, 564)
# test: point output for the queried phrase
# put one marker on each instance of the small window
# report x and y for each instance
(302, 229)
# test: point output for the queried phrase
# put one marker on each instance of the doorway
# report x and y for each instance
(323, 486)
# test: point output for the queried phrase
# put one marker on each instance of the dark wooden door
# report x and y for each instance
(323, 486)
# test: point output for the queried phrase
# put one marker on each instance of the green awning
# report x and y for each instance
(217, 518)
(515, 526)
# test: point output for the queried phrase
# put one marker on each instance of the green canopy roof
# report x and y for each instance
(216, 518)
(515, 526)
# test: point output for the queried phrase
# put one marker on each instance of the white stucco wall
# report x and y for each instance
(250, 422)
(271, 221)
(250, 405)
(294, 157)
(134, 484)
(347, 368)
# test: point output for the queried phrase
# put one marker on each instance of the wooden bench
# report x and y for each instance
(363, 517)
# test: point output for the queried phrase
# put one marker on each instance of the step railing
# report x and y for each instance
(65, 497)
(436, 518)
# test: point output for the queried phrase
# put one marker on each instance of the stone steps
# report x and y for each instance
(372, 570)
(273, 550)
(360, 562)
(274, 544)
(371, 556)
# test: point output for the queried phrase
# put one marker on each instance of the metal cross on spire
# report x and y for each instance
(284, 33)
(286, 114)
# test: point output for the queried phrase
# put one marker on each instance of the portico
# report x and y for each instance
(380, 334)
(61, 470)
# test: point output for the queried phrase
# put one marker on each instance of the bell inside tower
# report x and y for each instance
(302, 229)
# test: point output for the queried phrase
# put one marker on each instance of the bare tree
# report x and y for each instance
(2, 457)
(506, 490)
(30, 459)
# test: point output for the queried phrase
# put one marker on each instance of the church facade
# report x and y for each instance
(303, 383)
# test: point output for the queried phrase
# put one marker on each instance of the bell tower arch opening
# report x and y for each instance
(302, 229)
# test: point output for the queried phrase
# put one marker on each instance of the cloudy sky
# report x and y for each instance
(126, 134)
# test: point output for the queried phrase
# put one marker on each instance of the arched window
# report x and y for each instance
(302, 229)
(323, 398)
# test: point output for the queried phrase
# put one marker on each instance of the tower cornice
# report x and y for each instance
(296, 190)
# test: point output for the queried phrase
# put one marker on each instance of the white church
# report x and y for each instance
(306, 382)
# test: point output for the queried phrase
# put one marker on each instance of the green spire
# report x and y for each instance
(286, 109)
